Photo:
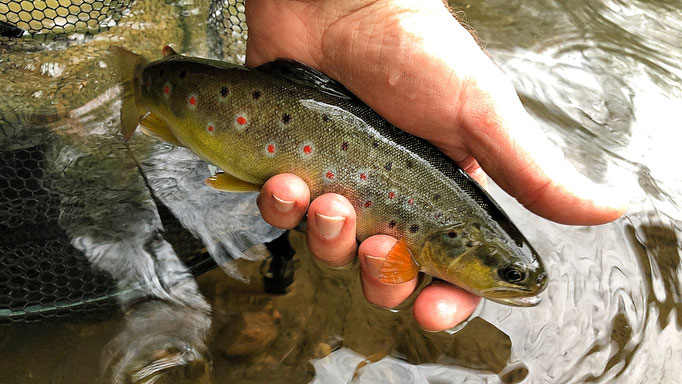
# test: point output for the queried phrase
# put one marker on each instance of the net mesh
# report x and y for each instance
(62, 16)
(41, 274)
(227, 27)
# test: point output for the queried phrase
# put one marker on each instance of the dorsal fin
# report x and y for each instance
(168, 50)
(302, 74)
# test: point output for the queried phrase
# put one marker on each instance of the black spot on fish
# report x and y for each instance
(325, 117)
(469, 244)
(256, 95)
(414, 228)
(224, 91)
(375, 144)
(388, 166)
(408, 164)
(476, 225)
(286, 118)
(344, 146)
(436, 196)
(392, 224)
(183, 74)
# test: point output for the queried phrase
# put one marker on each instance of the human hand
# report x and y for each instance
(414, 64)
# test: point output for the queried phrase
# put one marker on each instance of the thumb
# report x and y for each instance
(512, 149)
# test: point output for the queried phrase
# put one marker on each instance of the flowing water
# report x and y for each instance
(603, 77)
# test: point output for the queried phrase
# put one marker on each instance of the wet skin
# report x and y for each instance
(391, 54)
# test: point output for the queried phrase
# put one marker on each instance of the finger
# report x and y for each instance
(283, 200)
(372, 253)
(441, 306)
(469, 107)
(331, 230)
(510, 146)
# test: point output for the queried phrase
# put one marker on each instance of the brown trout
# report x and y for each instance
(285, 117)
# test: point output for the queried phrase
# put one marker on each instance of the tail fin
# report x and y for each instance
(129, 70)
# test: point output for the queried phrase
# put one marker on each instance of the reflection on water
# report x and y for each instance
(603, 77)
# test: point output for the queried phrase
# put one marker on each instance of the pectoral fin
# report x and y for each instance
(228, 183)
(399, 265)
(152, 125)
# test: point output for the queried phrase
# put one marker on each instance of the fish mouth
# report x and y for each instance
(515, 297)
(530, 301)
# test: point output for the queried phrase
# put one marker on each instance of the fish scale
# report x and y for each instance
(247, 154)
(285, 117)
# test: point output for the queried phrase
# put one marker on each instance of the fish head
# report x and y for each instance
(476, 257)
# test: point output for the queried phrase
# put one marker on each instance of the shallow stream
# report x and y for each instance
(604, 79)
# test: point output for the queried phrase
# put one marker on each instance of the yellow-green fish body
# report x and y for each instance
(284, 117)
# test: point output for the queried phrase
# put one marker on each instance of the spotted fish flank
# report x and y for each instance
(284, 117)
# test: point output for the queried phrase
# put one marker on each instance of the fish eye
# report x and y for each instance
(512, 274)
(452, 234)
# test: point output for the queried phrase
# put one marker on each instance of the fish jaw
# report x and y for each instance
(514, 297)
(530, 301)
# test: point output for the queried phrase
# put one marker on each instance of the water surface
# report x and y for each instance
(603, 78)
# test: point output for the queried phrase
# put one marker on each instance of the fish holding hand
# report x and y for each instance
(285, 117)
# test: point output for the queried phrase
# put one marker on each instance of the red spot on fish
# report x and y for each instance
(330, 175)
(391, 195)
(241, 120)
(344, 146)
(363, 177)
(210, 128)
(271, 148)
(192, 100)
(411, 202)
(307, 149)
(368, 204)
(166, 90)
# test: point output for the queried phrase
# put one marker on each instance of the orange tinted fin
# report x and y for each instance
(152, 125)
(228, 183)
(399, 265)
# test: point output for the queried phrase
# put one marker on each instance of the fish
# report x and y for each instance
(287, 117)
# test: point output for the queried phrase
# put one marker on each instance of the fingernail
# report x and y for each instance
(373, 265)
(283, 206)
(329, 226)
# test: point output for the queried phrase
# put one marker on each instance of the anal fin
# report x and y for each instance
(399, 265)
(152, 125)
(228, 183)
